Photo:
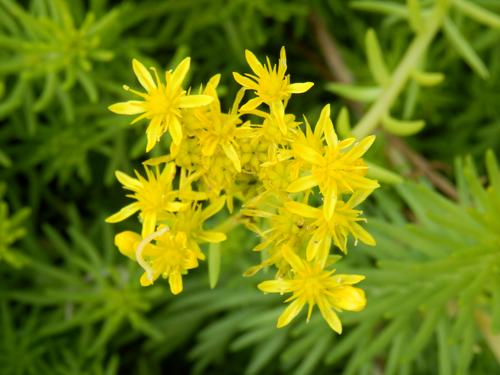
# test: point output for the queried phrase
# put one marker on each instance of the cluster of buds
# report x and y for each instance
(260, 165)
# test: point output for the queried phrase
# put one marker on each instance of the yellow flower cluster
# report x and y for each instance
(255, 157)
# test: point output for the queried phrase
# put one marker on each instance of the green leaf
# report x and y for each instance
(376, 61)
(384, 7)
(464, 49)
(214, 259)
(415, 16)
(495, 312)
(265, 352)
(444, 346)
(343, 124)
(402, 128)
(383, 175)
(427, 78)
(356, 93)
(5, 160)
(478, 13)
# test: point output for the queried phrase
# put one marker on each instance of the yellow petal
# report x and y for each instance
(326, 126)
(132, 107)
(299, 88)
(313, 247)
(348, 298)
(193, 101)
(274, 286)
(359, 232)
(307, 153)
(232, 155)
(253, 62)
(348, 279)
(128, 182)
(179, 74)
(213, 208)
(251, 105)
(175, 281)
(124, 213)
(245, 81)
(143, 75)
(293, 259)
(148, 224)
(213, 82)
(176, 131)
(302, 183)
(127, 242)
(282, 63)
(145, 281)
(290, 312)
(330, 316)
(154, 132)
(360, 148)
(330, 201)
(212, 237)
(302, 209)
(175, 206)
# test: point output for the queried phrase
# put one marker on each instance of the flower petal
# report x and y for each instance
(330, 201)
(128, 182)
(175, 281)
(360, 233)
(348, 279)
(330, 316)
(175, 131)
(213, 208)
(127, 242)
(175, 206)
(179, 74)
(251, 105)
(293, 259)
(232, 155)
(253, 62)
(302, 183)
(193, 101)
(348, 298)
(245, 81)
(143, 75)
(307, 153)
(290, 312)
(302, 209)
(299, 88)
(148, 224)
(124, 213)
(274, 286)
(212, 237)
(132, 107)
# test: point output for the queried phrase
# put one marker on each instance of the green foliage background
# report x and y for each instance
(71, 304)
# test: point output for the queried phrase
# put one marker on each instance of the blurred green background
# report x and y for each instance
(71, 304)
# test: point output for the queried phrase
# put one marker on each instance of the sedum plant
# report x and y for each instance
(232, 168)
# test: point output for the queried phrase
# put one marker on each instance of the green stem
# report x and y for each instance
(413, 55)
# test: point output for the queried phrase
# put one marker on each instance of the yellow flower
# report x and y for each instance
(334, 229)
(162, 104)
(271, 86)
(191, 219)
(312, 285)
(154, 197)
(221, 131)
(337, 169)
(170, 257)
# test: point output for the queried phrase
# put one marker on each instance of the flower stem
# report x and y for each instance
(415, 52)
